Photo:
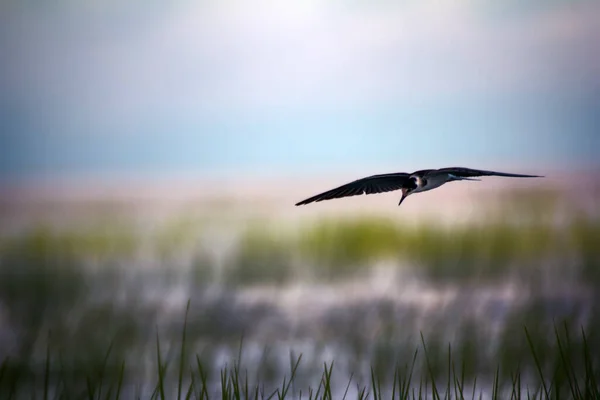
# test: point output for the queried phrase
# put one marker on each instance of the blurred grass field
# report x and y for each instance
(505, 242)
(312, 285)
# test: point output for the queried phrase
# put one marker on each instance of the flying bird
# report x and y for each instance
(416, 182)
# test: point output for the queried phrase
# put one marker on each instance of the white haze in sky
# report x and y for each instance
(213, 87)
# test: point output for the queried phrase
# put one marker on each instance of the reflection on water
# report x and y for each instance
(354, 290)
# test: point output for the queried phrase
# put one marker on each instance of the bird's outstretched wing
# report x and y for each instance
(470, 173)
(369, 185)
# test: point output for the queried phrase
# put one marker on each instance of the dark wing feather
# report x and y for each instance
(369, 185)
(469, 173)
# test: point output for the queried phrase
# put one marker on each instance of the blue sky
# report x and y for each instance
(110, 88)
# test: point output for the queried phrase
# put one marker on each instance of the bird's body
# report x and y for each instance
(425, 182)
(416, 182)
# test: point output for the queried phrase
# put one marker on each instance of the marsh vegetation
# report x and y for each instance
(91, 310)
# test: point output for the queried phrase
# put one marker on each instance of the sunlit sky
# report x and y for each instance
(243, 87)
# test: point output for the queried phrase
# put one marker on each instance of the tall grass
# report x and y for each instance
(571, 371)
(86, 333)
(335, 249)
(338, 248)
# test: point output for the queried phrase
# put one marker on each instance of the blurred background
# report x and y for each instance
(152, 153)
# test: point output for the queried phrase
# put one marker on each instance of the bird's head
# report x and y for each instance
(413, 183)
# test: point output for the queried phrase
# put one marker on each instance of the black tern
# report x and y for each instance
(417, 182)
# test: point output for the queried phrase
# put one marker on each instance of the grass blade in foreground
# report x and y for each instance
(232, 387)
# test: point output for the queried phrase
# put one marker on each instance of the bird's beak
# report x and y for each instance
(404, 195)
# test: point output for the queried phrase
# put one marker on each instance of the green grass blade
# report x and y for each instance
(434, 391)
(348, 386)
(514, 394)
(327, 382)
(361, 392)
(90, 388)
(412, 368)
(246, 392)
(104, 364)
(47, 369)
(191, 388)
(120, 382)
(235, 382)
(537, 363)
(565, 364)
(63, 377)
(395, 379)
(407, 380)
(161, 371)
(3, 368)
(182, 354)
(286, 386)
(203, 379)
(591, 387)
(458, 387)
(256, 391)
(292, 381)
(496, 383)
(519, 383)
(575, 381)
(375, 385)
(474, 386)
(447, 395)
(321, 382)
(224, 385)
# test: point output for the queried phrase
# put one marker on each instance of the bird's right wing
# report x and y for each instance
(369, 185)
(462, 172)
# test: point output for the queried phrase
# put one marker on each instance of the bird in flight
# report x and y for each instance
(417, 182)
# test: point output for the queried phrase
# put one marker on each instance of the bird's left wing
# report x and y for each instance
(369, 185)
(461, 172)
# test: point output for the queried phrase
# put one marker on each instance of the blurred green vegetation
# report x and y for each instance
(261, 257)
(336, 249)
(98, 241)
(526, 205)
(177, 234)
(50, 296)
(518, 240)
